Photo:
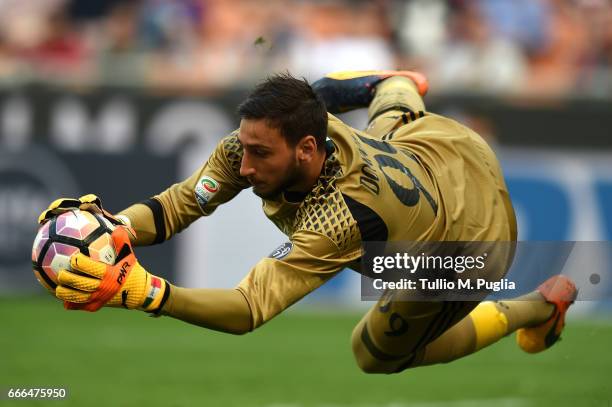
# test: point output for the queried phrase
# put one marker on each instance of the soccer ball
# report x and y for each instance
(65, 235)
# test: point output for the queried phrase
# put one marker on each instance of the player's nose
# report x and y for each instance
(245, 168)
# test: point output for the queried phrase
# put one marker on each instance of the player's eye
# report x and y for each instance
(260, 153)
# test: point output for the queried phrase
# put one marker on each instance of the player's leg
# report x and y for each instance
(393, 97)
(538, 318)
(396, 102)
(486, 324)
(393, 334)
(348, 90)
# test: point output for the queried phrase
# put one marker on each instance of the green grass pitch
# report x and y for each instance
(121, 358)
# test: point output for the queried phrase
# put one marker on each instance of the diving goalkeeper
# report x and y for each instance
(330, 188)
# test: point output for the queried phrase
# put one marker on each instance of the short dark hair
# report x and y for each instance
(290, 105)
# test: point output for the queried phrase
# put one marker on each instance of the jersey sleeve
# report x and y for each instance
(290, 272)
(213, 184)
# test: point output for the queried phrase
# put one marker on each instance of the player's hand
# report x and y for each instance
(89, 202)
(91, 285)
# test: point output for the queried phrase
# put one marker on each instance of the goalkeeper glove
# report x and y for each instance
(89, 202)
(91, 285)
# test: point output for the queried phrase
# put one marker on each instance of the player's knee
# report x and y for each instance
(239, 332)
(371, 365)
(366, 362)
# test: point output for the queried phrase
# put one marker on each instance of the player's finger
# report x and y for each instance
(71, 295)
(80, 262)
(79, 282)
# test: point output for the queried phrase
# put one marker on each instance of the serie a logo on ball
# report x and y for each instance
(66, 234)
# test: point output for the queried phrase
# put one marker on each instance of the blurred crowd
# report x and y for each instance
(540, 47)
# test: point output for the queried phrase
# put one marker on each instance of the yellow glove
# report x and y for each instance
(92, 284)
(89, 202)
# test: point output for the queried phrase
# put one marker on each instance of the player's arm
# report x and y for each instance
(224, 310)
(274, 284)
(157, 219)
(90, 285)
(291, 272)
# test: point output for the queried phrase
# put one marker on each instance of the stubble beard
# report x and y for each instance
(294, 175)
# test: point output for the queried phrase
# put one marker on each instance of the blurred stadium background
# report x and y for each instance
(122, 98)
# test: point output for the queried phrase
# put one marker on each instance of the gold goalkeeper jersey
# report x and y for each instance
(432, 179)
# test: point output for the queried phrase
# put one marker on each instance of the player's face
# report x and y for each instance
(268, 162)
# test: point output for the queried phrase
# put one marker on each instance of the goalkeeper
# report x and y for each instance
(330, 188)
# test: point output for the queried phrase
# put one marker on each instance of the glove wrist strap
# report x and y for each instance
(156, 295)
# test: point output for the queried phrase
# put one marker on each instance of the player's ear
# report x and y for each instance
(307, 148)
